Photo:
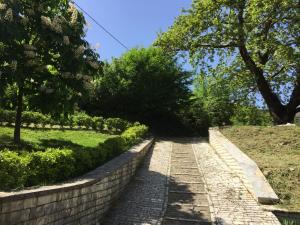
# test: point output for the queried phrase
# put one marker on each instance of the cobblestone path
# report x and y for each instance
(184, 182)
(231, 203)
(143, 200)
(187, 197)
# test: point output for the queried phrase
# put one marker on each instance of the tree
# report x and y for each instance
(215, 92)
(143, 85)
(258, 38)
(44, 54)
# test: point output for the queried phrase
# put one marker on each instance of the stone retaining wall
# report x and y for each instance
(83, 201)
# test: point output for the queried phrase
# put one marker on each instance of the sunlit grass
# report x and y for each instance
(40, 137)
(276, 150)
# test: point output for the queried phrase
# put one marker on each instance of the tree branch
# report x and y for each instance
(276, 74)
(229, 45)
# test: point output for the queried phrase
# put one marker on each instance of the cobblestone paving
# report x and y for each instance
(143, 201)
(187, 197)
(230, 201)
(184, 182)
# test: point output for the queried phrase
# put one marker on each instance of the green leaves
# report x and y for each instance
(141, 84)
(258, 38)
(40, 44)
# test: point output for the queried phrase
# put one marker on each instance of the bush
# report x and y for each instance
(98, 123)
(36, 118)
(116, 125)
(250, 115)
(13, 170)
(84, 161)
(82, 119)
(51, 166)
(55, 165)
(134, 134)
(7, 116)
(114, 146)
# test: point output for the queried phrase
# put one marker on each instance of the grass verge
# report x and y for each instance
(276, 150)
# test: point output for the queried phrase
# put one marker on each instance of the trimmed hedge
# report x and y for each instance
(24, 169)
(13, 170)
(134, 134)
(116, 125)
(110, 125)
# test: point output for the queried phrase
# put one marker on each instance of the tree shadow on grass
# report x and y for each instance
(6, 142)
(60, 143)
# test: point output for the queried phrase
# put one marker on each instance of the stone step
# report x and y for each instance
(188, 192)
(188, 205)
(188, 198)
(186, 178)
(185, 158)
(187, 167)
(182, 221)
(177, 170)
(190, 212)
(182, 183)
(182, 153)
(181, 163)
(187, 187)
(186, 174)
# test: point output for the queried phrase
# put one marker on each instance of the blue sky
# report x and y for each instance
(134, 22)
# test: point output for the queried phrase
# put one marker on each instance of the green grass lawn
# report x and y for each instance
(38, 139)
(276, 150)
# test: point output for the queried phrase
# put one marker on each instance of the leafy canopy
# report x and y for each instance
(44, 54)
(217, 31)
(142, 84)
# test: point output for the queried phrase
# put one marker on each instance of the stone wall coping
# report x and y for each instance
(84, 181)
(260, 187)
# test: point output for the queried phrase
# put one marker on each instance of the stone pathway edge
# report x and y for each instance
(244, 167)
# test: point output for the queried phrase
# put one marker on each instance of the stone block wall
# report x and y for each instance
(83, 201)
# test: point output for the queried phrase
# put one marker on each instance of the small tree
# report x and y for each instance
(43, 53)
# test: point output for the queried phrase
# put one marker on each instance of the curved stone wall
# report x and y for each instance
(83, 201)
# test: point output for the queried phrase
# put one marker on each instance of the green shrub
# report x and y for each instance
(250, 115)
(114, 146)
(7, 116)
(55, 165)
(13, 170)
(36, 118)
(84, 161)
(116, 125)
(98, 123)
(82, 119)
(51, 166)
(134, 134)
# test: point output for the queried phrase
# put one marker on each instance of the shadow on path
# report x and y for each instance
(154, 197)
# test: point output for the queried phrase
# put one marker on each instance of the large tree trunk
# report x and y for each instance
(280, 113)
(18, 121)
